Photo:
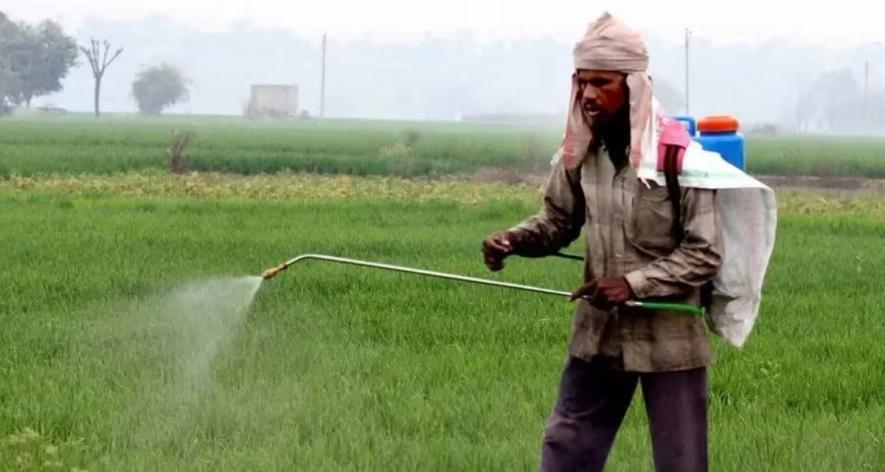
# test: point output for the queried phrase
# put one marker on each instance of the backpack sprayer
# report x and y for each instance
(648, 305)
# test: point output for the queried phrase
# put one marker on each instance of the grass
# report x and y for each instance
(77, 145)
(348, 369)
(817, 156)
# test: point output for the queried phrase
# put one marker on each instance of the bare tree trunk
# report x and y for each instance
(99, 64)
(97, 94)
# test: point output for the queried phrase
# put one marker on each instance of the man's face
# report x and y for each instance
(602, 94)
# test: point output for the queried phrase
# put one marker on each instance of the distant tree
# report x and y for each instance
(875, 120)
(97, 53)
(841, 97)
(157, 87)
(51, 53)
(835, 102)
(33, 60)
(8, 77)
(804, 114)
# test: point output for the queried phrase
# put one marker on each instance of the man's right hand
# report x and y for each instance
(495, 248)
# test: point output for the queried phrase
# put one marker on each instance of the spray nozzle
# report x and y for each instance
(273, 271)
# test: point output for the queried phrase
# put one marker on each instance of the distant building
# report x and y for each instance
(273, 100)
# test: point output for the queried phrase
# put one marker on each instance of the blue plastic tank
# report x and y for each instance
(720, 134)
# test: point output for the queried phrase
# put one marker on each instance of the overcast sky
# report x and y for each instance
(844, 23)
(736, 67)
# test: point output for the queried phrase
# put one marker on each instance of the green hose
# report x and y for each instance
(680, 307)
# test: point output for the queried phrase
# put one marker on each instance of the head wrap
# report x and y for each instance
(609, 45)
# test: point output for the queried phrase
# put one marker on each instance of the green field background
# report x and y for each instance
(352, 369)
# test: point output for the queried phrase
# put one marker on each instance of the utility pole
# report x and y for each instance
(687, 89)
(866, 95)
(323, 82)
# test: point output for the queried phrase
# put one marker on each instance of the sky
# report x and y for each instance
(454, 58)
(845, 23)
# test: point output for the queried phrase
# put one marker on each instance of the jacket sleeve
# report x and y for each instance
(560, 218)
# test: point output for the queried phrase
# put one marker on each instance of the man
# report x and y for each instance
(637, 248)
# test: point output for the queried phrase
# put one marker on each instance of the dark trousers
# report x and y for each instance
(593, 400)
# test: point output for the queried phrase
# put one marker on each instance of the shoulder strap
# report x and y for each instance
(671, 173)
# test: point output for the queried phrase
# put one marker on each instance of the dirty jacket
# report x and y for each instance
(629, 232)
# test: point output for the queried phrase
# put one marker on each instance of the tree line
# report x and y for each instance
(35, 59)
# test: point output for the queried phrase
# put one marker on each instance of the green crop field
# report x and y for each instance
(79, 144)
(339, 368)
(119, 349)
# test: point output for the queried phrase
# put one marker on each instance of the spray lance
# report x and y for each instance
(648, 305)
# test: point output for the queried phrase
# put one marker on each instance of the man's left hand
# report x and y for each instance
(605, 292)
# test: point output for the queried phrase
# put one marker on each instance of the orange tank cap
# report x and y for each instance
(718, 124)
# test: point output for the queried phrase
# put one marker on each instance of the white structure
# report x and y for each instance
(278, 101)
